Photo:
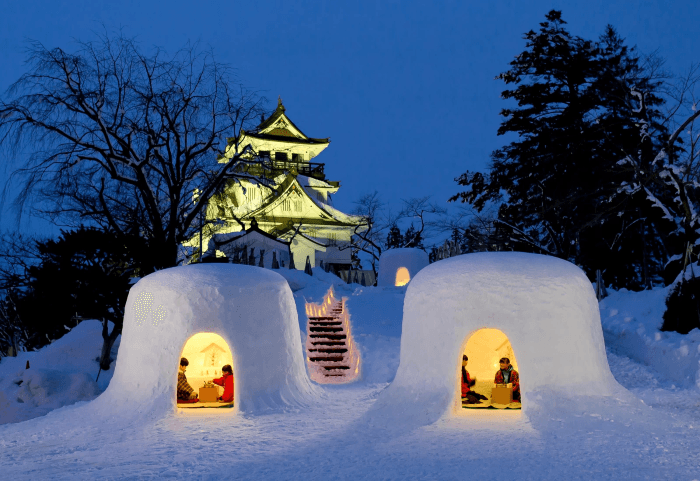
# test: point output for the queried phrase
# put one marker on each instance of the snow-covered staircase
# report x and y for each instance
(331, 353)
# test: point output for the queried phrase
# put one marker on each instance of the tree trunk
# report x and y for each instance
(108, 342)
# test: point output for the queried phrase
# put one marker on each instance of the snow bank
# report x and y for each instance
(251, 308)
(60, 374)
(413, 260)
(545, 306)
(631, 323)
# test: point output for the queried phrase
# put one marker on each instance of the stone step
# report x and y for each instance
(322, 318)
(327, 359)
(326, 323)
(329, 337)
(330, 351)
(326, 329)
(330, 368)
(329, 343)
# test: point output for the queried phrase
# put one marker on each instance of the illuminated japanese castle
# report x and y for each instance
(292, 212)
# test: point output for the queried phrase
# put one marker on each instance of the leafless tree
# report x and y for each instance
(428, 215)
(123, 139)
(368, 237)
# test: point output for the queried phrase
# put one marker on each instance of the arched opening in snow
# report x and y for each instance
(484, 349)
(207, 353)
(332, 356)
(402, 277)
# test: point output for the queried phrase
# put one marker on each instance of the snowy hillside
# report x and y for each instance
(653, 436)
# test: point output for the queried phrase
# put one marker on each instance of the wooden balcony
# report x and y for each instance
(271, 167)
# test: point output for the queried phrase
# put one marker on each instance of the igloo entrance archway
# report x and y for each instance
(207, 353)
(484, 349)
(402, 277)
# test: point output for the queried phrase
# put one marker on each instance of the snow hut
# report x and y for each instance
(398, 266)
(251, 309)
(545, 307)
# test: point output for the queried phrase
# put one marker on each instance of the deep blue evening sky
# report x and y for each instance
(405, 90)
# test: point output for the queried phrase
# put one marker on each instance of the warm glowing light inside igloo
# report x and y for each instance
(207, 353)
(402, 276)
(484, 348)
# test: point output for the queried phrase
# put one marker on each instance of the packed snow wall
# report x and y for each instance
(545, 306)
(251, 308)
(398, 266)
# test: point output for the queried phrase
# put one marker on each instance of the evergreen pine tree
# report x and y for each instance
(572, 115)
(394, 238)
(413, 238)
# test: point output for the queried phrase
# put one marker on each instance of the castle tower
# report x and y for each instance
(291, 203)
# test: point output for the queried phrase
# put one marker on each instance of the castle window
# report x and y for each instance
(281, 156)
(297, 157)
(297, 206)
(265, 154)
(286, 205)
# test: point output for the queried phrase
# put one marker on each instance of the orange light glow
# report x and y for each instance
(207, 353)
(485, 348)
(402, 277)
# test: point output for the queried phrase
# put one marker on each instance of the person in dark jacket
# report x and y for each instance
(468, 395)
(506, 374)
(227, 382)
(184, 390)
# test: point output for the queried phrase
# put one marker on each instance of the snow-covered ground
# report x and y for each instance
(338, 437)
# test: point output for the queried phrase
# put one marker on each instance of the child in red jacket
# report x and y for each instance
(468, 395)
(227, 382)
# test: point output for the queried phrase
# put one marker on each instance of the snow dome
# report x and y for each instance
(250, 310)
(539, 309)
(398, 266)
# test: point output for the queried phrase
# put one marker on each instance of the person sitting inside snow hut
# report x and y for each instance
(506, 374)
(468, 395)
(185, 392)
(227, 382)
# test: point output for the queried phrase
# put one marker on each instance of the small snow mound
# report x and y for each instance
(56, 388)
(399, 266)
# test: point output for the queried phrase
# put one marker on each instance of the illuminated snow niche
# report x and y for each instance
(485, 348)
(402, 277)
(207, 353)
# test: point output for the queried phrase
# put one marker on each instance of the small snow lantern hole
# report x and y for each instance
(485, 381)
(331, 354)
(204, 379)
(402, 277)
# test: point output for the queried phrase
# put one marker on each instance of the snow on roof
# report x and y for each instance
(338, 215)
(545, 306)
(413, 260)
(251, 308)
(305, 181)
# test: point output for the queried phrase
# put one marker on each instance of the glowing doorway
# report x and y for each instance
(485, 348)
(206, 353)
(402, 277)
